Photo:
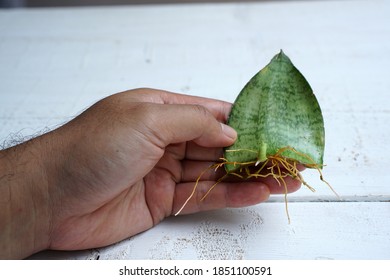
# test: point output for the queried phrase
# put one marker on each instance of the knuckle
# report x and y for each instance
(202, 112)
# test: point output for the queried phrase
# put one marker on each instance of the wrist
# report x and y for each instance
(24, 204)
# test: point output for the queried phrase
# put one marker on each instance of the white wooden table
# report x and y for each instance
(56, 62)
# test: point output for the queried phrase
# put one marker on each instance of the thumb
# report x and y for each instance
(176, 123)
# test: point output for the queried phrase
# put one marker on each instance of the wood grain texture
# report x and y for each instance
(56, 62)
(260, 232)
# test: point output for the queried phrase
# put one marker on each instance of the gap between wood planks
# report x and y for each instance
(347, 198)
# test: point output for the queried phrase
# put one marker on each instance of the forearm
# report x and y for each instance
(24, 201)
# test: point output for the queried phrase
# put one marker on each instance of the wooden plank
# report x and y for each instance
(317, 231)
(54, 63)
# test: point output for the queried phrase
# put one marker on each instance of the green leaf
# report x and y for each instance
(276, 109)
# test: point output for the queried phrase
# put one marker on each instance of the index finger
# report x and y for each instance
(218, 108)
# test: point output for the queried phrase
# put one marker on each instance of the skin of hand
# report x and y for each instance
(116, 170)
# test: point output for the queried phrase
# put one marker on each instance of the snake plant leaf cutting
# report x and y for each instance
(279, 127)
(276, 110)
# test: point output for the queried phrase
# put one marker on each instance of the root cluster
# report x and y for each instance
(276, 166)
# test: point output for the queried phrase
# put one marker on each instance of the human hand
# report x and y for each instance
(131, 160)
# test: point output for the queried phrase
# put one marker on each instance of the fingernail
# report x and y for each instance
(229, 131)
